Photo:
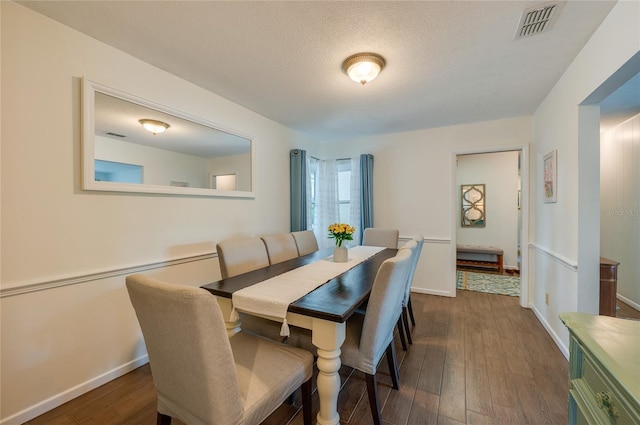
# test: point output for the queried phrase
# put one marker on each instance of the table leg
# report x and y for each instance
(328, 338)
(233, 327)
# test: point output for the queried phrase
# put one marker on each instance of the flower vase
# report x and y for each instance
(340, 254)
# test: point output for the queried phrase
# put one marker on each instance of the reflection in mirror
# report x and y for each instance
(181, 154)
(223, 182)
(108, 171)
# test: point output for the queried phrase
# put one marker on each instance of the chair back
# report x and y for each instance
(383, 309)
(280, 247)
(305, 241)
(419, 239)
(189, 351)
(239, 256)
(380, 237)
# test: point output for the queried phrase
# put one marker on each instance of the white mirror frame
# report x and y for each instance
(89, 88)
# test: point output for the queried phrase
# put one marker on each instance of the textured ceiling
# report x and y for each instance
(448, 62)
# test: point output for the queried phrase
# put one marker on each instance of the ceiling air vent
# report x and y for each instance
(537, 19)
(111, 133)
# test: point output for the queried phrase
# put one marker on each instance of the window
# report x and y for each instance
(344, 190)
(313, 181)
(331, 195)
(121, 172)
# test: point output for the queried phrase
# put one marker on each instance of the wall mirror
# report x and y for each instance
(473, 205)
(182, 154)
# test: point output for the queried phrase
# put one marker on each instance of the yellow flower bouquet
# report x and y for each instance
(341, 232)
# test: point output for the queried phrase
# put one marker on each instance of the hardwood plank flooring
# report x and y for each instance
(476, 359)
(625, 311)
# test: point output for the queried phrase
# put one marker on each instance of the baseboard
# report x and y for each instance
(563, 349)
(432, 292)
(628, 302)
(68, 395)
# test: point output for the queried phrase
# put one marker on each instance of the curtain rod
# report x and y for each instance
(337, 159)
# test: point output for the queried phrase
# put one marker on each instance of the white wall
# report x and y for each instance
(565, 236)
(414, 185)
(620, 205)
(498, 171)
(60, 342)
(160, 166)
(240, 165)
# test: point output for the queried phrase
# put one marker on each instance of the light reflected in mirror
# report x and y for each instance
(192, 157)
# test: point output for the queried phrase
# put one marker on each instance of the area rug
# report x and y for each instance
(491, 283)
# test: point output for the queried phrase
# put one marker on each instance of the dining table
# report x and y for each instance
(324, 310)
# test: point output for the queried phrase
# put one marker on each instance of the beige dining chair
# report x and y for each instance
(237, 256)
(406, 303)
(374, 236)
(280, 247)
(404, 332)
(411, 245)
(306, 242)
(201, 375)
(370, 336)
(387, 238)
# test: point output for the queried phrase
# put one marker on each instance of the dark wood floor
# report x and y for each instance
(625, 311)
(475, 359)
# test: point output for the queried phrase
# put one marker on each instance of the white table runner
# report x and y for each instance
(273, 296)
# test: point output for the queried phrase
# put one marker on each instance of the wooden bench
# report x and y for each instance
(487, 257)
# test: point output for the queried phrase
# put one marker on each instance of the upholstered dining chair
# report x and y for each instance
(387, 238)
(237, 256)
(411, 245)
(204, 377)
(305, 241)
(370, 336)
(374, 236)
(280, 247)
(406, 303)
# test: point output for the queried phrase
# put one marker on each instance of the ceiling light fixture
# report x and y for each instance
(154, 126)
(363, 67)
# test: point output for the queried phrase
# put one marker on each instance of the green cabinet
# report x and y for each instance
(604, 370)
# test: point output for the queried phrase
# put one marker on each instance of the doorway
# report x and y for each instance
(619, 190)
(500, 174)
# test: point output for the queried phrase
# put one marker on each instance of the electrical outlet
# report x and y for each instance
(546, 298)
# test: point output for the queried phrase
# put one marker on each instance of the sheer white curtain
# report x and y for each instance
(327, 210)
(312, 164)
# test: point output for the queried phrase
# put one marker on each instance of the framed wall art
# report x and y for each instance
(472, 198)
(550, 175)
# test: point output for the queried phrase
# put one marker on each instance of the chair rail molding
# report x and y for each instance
(426, 239)
(562, 260)
(19, 288)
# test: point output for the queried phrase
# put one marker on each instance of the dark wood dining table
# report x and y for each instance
(324, 311)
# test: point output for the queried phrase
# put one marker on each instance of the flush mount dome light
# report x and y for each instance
(154, 126)
(363, 67)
